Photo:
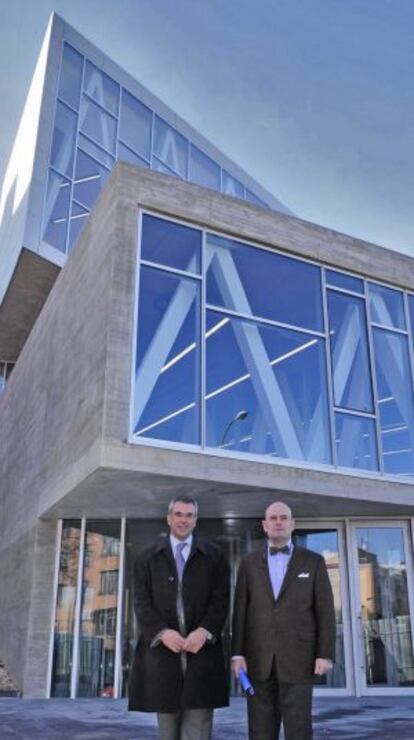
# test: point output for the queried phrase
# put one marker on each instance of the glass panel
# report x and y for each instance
(203, 170)
(63, 144)
(96, 152)
(97, 124)
(349, 352)
(385, 609)
(356, 442)
(170, 147)
(99, 610)
(266, 390)
(65, 609)
(263, 283)
(325, 542)
(57, 211)
(135, 125)
(171, 244)
(77, 221)
(167, 365)
(252, 198)
(348, 282)
(387, 306)
(90, 177)
(231, 186)
(101, 87)
(127, 155)
(70, 76)
(395, 400)
(158, 166)
(411, 312)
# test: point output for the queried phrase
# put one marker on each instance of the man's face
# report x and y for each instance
(181, 520)
(278, 523)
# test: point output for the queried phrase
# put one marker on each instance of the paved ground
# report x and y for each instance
(387, 718)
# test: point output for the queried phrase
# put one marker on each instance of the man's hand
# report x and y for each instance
(238, 664)
(322, 666)
(172, 640)
(195, 640)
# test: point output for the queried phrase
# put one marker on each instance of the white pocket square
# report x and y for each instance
(303, 575)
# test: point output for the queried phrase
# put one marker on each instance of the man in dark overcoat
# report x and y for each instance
(283, 629)
(181, 598)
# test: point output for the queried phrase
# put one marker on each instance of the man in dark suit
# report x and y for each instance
(181, 597)
(283, 629)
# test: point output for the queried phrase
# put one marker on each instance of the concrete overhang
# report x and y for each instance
(130, 483)
(28, 289)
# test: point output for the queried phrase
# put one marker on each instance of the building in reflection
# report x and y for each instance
(166, 325)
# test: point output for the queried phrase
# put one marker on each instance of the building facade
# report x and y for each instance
(193, 342)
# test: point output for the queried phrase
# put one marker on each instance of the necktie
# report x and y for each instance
(179, 559)
(275, 550)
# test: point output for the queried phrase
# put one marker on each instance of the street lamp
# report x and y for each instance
(240, 416)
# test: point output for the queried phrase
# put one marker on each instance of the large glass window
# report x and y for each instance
(347, 282)
(135, 125)
(170, 147)
(356, 445)
(167, 402)
(171, 244)
(102, 88)
(266, 390)
(57, 210)
(90, 177)
(203, 170)
(70, 76)
(349, 352)
(387, 307)
(65, 609)
(97, 124)
(63, 144)
(395, 401)
(99, 611)
(263, 283)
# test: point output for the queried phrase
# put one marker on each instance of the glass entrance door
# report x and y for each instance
(383, 594)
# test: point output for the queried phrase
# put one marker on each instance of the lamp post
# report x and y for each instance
(240, 416)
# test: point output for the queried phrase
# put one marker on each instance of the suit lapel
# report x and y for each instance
(264, 571)
(296, 563)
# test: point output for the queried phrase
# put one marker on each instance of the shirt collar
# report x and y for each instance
(174, 542)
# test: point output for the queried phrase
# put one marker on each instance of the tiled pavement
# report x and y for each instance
(385, 718)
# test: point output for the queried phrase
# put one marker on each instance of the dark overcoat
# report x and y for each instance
(292, 630)
(157, 681)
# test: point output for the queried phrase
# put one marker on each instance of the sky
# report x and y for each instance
(313, 98)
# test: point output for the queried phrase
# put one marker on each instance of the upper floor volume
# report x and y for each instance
(84, 112)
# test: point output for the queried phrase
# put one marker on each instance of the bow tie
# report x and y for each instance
(274, 550)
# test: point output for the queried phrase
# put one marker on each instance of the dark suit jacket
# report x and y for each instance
(293, 630)
(157, 683)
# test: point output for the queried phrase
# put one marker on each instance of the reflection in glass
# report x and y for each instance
(135, 125)
(63, 144)
(385, 613)
(167, 364)
(171, 244)
(325, 542)
(98, 125)
(90, 177)
(203, 170)
(387, 306)
(70, 76)
(348, 282)
(57, 211)
(127, 155)
(77, 221)
(101, 87)
(231, 186)
(278, 376)
(411, 312)
(355, 442)
(395, 401)
(252, 198)
(263, 283)
(65, 609)
(349, 352)
(170, 147)
(95, 151)
(99, 610)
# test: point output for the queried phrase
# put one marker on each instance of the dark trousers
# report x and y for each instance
(275, 702)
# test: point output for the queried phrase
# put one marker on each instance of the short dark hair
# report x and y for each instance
(183, 500)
